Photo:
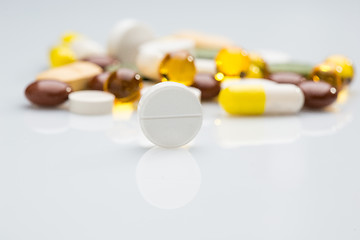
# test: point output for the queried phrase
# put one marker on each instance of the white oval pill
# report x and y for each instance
(125, 39)
(170, 115)
(91, 102)
(195, 91)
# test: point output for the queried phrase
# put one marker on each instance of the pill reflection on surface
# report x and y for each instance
(251, 131)
(168, 178)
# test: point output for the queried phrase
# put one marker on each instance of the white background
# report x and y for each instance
(64, 176)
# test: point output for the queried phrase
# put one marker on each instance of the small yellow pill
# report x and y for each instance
(178, 67)
(61, 55)
(258, 67)
(345, 67)
(232, 61)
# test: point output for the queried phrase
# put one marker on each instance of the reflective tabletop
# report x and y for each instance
(68, 176)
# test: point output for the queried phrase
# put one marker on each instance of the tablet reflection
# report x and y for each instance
(242, 131)
(168, 178)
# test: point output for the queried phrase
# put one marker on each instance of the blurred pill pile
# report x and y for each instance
(93, 77)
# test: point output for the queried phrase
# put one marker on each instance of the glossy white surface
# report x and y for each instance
(66, 176)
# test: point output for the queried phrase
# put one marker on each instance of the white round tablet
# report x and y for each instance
(170, 114)
(91, 102)
(125, 39)
(195, 91)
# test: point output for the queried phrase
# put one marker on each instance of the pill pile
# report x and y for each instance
(93, 77)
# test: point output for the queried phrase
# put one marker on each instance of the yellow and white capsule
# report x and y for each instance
(246, 98)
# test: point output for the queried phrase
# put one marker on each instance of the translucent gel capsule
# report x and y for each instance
(125, 84)
(327, 72)
(345, 67)
(258, 67)
(232, 62)
(178, 67)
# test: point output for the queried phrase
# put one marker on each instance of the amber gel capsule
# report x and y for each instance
(327, 72)
(258, 67)
(178, 67)
(233, 62)
(125, 84)
(344, 66)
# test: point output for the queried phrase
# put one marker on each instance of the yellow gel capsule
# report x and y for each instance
(232, 61)
(178, 67)
(258, 67)
(327, 72)
(345, 67)
(243, 100)
(61, 55)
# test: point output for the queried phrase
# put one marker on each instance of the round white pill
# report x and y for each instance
(170, 114)
(91, 102)
(195, 91)
(125, 39)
